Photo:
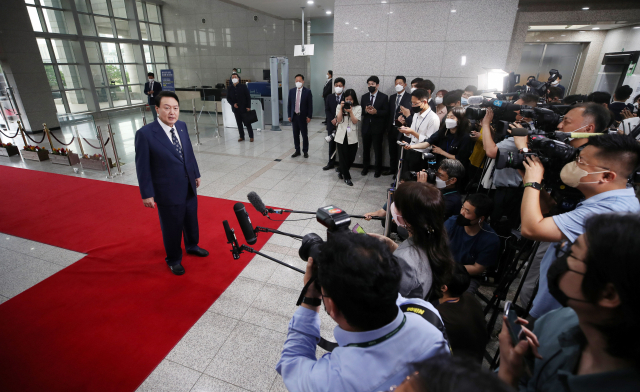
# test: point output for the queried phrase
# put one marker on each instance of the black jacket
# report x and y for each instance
(239, 94)
(157, 87)
(326, 91)
(330, 106)
(375, 123)
(393, 113)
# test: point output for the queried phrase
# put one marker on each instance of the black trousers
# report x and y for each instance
(332, 149)
(240, 122)
(346, 156)
(394, 149)
(299, 125)
(176, 220)
(372, 139)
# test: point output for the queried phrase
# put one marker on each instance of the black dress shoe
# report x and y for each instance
(328, 167)
(295, 154)
(200, 252)
(306, 155)
(324, 123)
(376, 174)
(340, 176)
(177, 269)
(387, 173)
(348, 182)
(364, 172)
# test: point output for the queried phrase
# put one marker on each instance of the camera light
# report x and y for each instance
(492, 80)
(464, 60)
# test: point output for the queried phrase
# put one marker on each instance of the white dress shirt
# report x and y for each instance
(167, 131)
(425, 124)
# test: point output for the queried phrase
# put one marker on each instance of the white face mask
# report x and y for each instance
(150, 80)
(557, 82)
(399, 88)
(338, 90)
(438, 100)
(234, 81)
(413, 89)
(298, 84)
(571, 174)
(450, 123)
(395, 214)
(440, 184)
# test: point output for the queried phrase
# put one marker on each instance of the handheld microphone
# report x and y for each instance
(245, 223)
(231, 239)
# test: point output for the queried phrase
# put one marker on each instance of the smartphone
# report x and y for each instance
(515, 330)
(358, 229)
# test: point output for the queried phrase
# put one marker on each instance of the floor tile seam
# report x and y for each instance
(248, 180)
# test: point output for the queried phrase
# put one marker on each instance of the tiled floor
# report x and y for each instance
(235, 345)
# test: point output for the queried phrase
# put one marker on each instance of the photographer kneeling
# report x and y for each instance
(358, 279)
(601, 172)
(589, 345)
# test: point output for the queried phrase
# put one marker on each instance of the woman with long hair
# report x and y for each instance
(348, 115)
(425, 258)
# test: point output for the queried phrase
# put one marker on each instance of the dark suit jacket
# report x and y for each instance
(239, 94)
(161, 174)
(561, 87)
(330, 106)
(393, 113)
(326, 91)
(432, 104)
(375, 123)
(157, 87)
(306, 102)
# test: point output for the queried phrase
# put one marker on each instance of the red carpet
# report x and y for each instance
(105, 322)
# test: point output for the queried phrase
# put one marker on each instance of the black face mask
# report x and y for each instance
(372, 89)
(462, 221)
(416, 109)
(557, 269)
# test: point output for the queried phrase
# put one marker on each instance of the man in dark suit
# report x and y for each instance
(152, 89)
(326, 91)
(300, 112)
(240, 100)
(168, 177)
(374, 123)
(400, 98)
(330, 105)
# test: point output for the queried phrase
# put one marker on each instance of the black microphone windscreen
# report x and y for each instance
(519, 132)
(257, 203)
(245, 223)
(231, 237)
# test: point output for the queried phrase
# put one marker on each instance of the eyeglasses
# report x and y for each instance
(581, 161)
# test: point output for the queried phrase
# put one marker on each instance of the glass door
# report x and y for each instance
(538, 59)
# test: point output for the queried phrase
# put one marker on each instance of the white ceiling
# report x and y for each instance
(289, 9)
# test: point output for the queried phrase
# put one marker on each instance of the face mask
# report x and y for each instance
(450, 123)
(235, 81)
(462, 221)
(396, 216)
(413, 89)
(372, 89)
(399, 88)
(571, 174)
(328, 77)
(338, 90)
(298, 84)
(440, 184)
(464, 101)
(558, 268)
(150, 79)
(416, 109)
(438, 100)
(557, 82)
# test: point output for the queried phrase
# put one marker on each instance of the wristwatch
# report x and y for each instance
(311, 301)
(534, 185)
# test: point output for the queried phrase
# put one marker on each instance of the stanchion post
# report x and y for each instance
(79, 141)
(24, 139)
(46, 130)
(195, 119)
(104, 152)
(144, 117)
(115, 150)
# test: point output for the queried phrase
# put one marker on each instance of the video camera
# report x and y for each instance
(540, 88)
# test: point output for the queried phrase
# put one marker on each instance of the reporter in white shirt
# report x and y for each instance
(347, 133)
(424, 123)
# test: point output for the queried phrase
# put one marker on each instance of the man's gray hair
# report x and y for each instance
(453, 168)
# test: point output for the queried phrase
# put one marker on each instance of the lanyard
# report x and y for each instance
(381, 339)
(423, 118)
(448, 193)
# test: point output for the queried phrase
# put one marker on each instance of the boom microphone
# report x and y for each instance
(245, 223)
(231, 239)
(257, 203)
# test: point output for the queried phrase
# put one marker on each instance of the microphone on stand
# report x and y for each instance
(257, 203)
(245, 223)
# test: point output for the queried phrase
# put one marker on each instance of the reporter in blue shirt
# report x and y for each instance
(600, 172)
(359, 280)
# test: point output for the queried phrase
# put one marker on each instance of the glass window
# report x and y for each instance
(131, 74)
(135, 93)
(93, 53)
(69, 76)
(98, 76)
(152, 13)
(99, 7)
(147, 53)
(156, 32)
(119, 9)
(56, 22)
(140, 11)
(160, 67)
(81, 5)
(109, 52)
(86, 25)
(152, 68)
(159, 54)
(77, 102)
(44, 50)
(103, 26)
(118, 96)
(51, 77)
(103, 99)
(144, 34)
(35, 19)
(122, 27)
(128, 54)
(30, 1)
(51, 3)
(114, 75)
(57, 100)
(63, 51)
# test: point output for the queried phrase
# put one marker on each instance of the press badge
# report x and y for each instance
(348, 128)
